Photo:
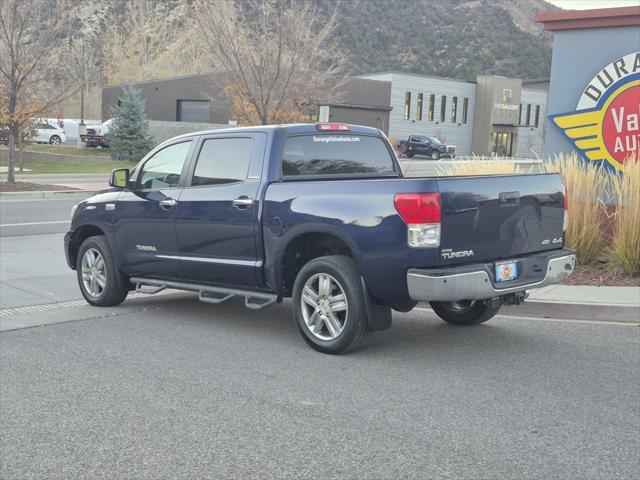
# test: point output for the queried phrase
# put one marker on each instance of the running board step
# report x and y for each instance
(207, 293)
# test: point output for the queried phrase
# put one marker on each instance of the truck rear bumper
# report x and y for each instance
(476, 282)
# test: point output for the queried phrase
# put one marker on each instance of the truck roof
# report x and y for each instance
(287, 128)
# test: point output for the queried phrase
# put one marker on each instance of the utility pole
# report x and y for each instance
(82, 129)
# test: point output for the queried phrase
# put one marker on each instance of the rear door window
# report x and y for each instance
(331, 154)
(223, 160)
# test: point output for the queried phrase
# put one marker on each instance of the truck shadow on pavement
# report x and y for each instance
(419, 333)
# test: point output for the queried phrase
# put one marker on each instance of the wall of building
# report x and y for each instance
(493, 112)
(458, 134)
(362, 102)
(578, 55)
(162, 96)
(162, 131)
(371, 118)
(530, 140)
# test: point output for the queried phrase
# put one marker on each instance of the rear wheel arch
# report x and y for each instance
(304, 247)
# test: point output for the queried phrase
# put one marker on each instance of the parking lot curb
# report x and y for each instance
(577, 311)
(572, 310)
(44, 194)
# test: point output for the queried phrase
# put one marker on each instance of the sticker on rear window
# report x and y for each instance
(334, 138)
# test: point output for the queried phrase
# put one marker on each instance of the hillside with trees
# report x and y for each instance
(452, 38)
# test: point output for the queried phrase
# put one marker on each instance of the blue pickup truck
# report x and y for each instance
(320, 213)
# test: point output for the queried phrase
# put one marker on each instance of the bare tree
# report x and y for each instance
(32, 32)
(84, 65)
(278, 55)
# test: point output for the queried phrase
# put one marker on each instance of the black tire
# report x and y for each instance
(355, 326)
(55, 140)
(409, 155)
(464, 313)
(435, 155)
(116, 285)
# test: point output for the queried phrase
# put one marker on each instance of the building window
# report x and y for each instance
(443, 107)
(432, 106)
(196, 111)
(536, 120)
(454, 109)
(465, 109)
(419, 108)
(528, 114)
(407, 105)
(507, 95)
(311, 115)
(520, 115)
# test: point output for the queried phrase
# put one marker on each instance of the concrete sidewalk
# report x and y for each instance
(581, 302)
(587, 295)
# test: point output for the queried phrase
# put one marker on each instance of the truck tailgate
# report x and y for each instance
(499, 217)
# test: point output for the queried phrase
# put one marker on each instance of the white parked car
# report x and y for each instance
(47, 133)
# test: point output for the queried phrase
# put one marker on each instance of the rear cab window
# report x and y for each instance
(323, 154)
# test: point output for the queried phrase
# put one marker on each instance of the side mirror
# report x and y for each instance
(119, 178)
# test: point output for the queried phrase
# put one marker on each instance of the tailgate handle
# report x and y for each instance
(510, 197)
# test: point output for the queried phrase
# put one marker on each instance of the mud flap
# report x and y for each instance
(378, 316)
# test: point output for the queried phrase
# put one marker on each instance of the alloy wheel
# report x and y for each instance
(324, 306)
(94, 272)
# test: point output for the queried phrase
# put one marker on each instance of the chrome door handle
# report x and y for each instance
(243, 202)
(168, 203)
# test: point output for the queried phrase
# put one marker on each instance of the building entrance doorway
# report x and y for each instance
(502, 144)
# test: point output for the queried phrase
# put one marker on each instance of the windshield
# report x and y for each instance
(435, 141)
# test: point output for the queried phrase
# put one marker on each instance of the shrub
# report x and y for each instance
(481, 166)
(129, 136)
(625, 190)
(587, 187)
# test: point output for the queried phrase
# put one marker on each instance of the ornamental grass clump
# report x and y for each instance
(587, 189)
(481, 166)
(625, 242)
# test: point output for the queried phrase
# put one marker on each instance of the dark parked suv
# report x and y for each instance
(427, 146)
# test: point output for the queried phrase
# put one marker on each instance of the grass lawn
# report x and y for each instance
(74, 166)
(69, 150)
(30, 187)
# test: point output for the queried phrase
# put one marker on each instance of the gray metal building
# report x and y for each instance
(492, 116)
(197, 99)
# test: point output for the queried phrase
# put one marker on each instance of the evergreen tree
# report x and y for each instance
(129, 135)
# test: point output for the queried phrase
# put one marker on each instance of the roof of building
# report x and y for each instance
(536, 80)
(595, 18)
(412, 74)
(167, 79)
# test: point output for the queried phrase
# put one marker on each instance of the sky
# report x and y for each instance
(587, 4)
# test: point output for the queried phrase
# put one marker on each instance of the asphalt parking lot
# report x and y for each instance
(167, 387)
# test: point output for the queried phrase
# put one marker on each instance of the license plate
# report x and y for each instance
(506, 271)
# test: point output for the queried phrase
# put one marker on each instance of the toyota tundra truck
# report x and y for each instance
(321, 214)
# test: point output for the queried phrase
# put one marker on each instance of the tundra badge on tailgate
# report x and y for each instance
(447, 253)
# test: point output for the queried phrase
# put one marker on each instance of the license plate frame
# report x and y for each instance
(506, 271)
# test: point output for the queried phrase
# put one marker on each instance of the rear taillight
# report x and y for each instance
(422, 212)
(333, 127)
(565, 221)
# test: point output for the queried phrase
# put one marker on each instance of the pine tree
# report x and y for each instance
(129, 135)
